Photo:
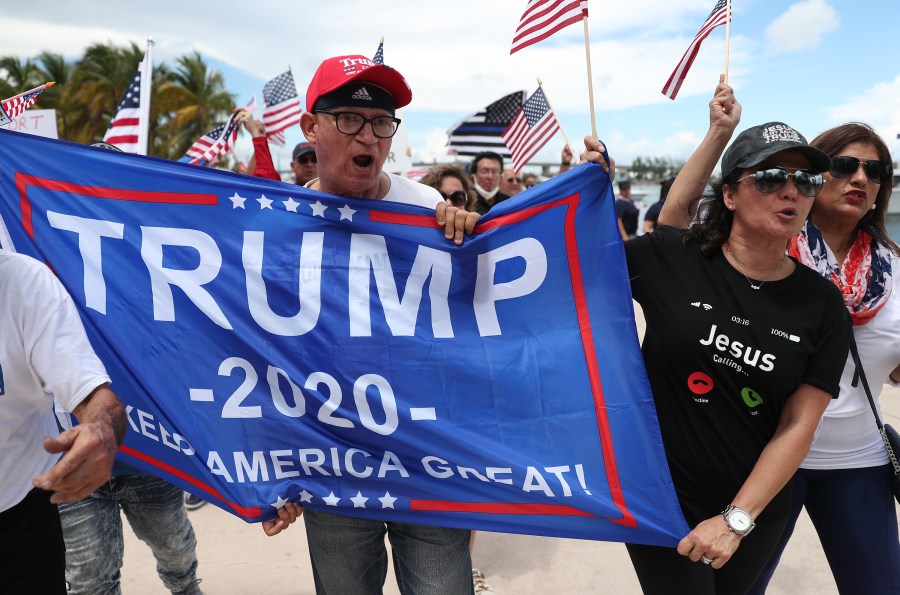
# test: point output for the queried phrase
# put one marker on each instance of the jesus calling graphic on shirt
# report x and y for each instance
(750, 355)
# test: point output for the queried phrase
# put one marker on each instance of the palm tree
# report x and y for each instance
(17, 76)
(53, 67)
(100, 79)
(194, 99)
(184, 104)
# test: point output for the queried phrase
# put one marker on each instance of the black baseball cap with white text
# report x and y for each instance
(756, 144)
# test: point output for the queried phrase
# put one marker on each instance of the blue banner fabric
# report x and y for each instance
(274, 344)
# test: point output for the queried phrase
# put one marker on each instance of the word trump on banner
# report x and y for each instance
(276, 344)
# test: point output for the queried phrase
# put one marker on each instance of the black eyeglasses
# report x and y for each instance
(845, 166)
(511, 180)
(773, 179)
(304, 159)
(457, 198)
(351, 123)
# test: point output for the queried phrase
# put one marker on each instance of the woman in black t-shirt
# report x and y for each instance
(743, 350)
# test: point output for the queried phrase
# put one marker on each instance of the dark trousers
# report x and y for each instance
(32, 550)
(663, 571)
(854, 513)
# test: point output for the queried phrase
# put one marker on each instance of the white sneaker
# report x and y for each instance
(481, 587)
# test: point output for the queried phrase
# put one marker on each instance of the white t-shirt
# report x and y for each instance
(44, 351)
(847, 436)
(404, 190)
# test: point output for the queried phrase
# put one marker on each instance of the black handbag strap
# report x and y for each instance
(862, 376)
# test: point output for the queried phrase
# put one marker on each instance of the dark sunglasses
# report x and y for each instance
(457, 198)
(845, 166)
(511, 180)
(774, 178)
(304, 159)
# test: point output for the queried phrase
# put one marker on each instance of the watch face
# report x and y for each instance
(739, 520)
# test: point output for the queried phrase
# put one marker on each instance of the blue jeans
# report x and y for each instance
(853, 511)
(94, 543)
(349, 556)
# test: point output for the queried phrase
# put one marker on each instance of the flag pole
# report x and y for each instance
(587, 54)
(146, 85)
(46, 85)
(727, 36)
(565, 138)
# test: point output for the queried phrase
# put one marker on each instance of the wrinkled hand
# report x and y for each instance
(711, 538)
(90, 450)
(287, 514)
(254, 127)
(724, 109)
(593, 152)
(456, 222)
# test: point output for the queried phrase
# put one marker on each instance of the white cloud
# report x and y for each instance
(802, 27)
(879, 107)
(457, 60)
(435, 147)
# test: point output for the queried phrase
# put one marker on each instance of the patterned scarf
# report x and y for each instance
(864, 278)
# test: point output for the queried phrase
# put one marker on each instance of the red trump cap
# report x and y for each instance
(335, 73)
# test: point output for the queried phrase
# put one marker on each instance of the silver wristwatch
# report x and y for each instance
(738, 520)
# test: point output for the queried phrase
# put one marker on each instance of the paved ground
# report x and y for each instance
(237, 559)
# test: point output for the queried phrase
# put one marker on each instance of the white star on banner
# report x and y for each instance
(318, 209)
(346, 213)
(280, 502)
(331, 499)
(359, 501)
(387, 501)
(290, 204)
(237, 201)
(305, 496)
(264, 203)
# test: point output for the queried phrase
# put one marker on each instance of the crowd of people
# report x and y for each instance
(792, 238)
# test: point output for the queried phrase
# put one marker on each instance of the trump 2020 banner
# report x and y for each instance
(275, 344)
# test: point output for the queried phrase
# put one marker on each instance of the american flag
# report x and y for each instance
(379, 53)
(282, 106)
(214, 143)
(717, 17)
(125, 129)
(543, 18)
(14, 106)
(481, 131)
(533, 126)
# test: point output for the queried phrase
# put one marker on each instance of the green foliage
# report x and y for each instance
(653, 169)
(185, 103)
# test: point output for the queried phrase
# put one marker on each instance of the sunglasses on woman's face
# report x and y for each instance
(845, 166)
(457, 199)
(773, 179)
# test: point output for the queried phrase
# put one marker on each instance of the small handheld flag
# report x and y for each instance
(718, 16)
(14, 106)
(543, 18)
(533, 126)
(282, 106)
(481, 130)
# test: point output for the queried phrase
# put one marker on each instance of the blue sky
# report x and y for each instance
(810, 63)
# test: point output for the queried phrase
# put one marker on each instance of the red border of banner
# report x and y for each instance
(22, 181)
(25, 180)
(587, 341)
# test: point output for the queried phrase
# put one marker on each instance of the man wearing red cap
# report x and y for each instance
(350, 119)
